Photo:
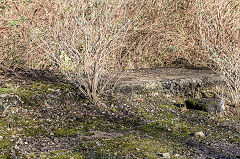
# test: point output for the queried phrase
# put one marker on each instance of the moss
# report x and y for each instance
(60, 154)
(121, 147)
(6, 142)
(87, 124)
(146, 133)
(169, 124)
(8, 88)
(69, 132)
(164, 106)
(32, 128)
(38, 88)
(5, 90)
(6, 155)
(35, 131)
(194, 104)
(213, 102)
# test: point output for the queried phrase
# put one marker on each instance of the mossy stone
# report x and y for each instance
(214, 105)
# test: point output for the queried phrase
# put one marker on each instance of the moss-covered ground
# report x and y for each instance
(141, 126)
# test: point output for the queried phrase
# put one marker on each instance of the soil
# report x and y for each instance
(141, 125)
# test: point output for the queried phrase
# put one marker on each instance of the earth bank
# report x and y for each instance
(144, 117)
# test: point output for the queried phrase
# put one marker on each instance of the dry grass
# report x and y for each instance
(164, 33)
(89, 38)
(219, 28)
(20, 21)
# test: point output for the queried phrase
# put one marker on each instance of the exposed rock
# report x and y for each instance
(177, 155)
(214, 105)
(173, 80)
(165, 155)
(9, 100)
(199, 134)
(238, 128)
(1, 108)
(100, 134)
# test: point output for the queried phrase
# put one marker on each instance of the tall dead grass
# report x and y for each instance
(89, 38)
(20, 22)
(219, 29)
(164, 33)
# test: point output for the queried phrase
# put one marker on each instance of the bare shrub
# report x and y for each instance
(219, 29)
(84, 41)
(162, 33)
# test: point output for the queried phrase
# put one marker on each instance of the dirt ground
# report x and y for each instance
(54, 122)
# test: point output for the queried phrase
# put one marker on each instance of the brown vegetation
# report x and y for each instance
(78, 37)
(219, 28)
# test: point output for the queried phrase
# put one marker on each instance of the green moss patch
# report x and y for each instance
(149, 126)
